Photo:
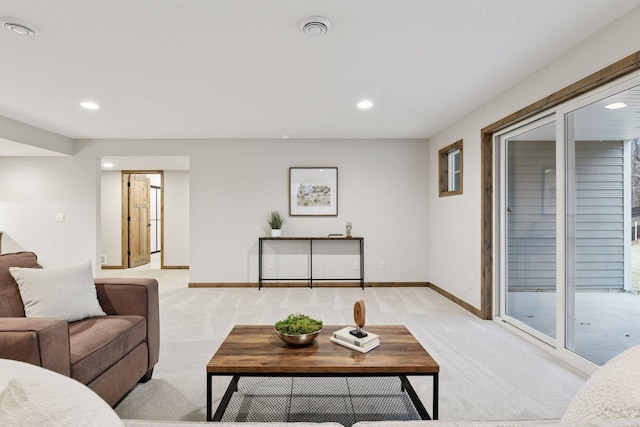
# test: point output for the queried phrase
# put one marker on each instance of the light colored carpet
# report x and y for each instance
(486, 371)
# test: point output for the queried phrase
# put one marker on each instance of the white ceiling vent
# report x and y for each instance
(315, 25)
(18, 26)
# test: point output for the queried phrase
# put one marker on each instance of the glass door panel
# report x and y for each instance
(529, 227)
(601, 310)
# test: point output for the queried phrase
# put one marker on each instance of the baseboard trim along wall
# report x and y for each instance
(164, 267)
(354, 284)
(456, 300)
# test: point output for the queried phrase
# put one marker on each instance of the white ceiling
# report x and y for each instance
(244, 69)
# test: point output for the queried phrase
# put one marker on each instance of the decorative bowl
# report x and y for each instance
(299, 340)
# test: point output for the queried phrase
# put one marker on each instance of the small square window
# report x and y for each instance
(450, 169)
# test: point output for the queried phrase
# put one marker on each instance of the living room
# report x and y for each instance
(387, 182)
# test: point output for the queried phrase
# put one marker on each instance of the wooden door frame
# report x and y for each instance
(125, 213)
(607, 75)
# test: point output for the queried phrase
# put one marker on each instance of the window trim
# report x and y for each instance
(444, 169)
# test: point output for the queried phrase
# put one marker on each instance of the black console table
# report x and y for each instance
(310, 278)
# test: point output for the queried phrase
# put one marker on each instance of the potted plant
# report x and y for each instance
(275, 221)
(298, 329)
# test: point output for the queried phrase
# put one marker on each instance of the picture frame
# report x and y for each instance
(313, 191)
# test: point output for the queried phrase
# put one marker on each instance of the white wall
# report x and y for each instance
(111, 217)
(381, 186)
(176, 218)
(33, 191)
(455, 222)
(233, 183)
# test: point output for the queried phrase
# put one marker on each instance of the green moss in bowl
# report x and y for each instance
(298, 329)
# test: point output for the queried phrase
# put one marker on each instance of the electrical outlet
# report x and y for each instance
(270, 265)
(60, 217)
(356, 265)
(381, 265)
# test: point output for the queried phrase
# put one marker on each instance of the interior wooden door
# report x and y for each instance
(139, 221)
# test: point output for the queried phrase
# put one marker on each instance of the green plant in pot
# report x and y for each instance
(275, 221)
(298, 329)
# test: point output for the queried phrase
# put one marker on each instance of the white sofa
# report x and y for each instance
(33, 396)
(620, 422)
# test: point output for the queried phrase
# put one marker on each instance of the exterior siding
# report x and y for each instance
(599, 220)
(531, 215)
(599, 215)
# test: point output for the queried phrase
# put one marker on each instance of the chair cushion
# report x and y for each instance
(613, 391)
(98, 343)
(10, 301)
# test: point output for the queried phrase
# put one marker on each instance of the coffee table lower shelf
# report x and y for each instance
(314, 398)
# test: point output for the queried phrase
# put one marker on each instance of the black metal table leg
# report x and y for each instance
(209, 378)
(422, 411)
(233, 387)
(435, 396)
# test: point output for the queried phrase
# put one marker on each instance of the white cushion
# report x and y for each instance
(62, 293)
(613, 391)
(36, 396)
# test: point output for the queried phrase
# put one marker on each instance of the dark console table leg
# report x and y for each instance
(362, 264)
(259, 264)
(311, 263)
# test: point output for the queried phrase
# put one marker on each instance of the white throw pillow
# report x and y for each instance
(45, 398)
(613, 391)
(61, 293)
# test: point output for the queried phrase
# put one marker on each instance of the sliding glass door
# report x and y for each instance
(601, 308)
(528, 209)
(568, 198)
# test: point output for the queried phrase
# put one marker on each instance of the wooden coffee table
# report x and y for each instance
(256, 350)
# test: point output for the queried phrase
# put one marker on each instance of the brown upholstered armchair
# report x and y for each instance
(110, 354)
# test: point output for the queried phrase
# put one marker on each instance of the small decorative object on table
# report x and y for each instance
(359, 317)
(349, 230)
(356, 339)
(275, 221)
(298, 329)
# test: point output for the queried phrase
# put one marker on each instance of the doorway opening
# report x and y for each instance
(142, 225)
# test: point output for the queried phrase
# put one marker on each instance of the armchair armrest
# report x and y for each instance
(41, 342)
(133, 297)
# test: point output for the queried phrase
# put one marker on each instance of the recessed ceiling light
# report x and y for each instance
(18, 26)
(365, 104)
(89, 105)
(107, 165)
(615, 105)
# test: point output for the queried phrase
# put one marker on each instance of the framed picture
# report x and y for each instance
(313, 191)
